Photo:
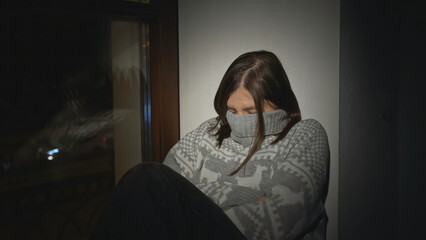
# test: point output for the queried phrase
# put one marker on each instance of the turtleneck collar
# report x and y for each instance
(244, 127)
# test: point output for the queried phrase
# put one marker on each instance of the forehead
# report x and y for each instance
(240, 98)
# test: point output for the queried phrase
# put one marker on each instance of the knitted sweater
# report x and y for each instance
(292, 174)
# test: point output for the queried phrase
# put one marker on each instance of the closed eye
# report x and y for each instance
(248, 110)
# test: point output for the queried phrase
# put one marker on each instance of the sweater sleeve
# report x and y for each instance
(184, 157)
(295, 198)
(227, 195)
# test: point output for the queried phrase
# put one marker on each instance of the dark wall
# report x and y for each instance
(381, 120)
(411, 123)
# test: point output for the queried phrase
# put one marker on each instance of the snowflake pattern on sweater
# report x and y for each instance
(292, 174)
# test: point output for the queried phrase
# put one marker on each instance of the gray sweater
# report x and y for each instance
(292, 174)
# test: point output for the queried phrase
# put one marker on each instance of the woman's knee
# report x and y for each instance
(145, 169)
(146, 175)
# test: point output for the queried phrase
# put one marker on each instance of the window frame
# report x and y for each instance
(163, 20)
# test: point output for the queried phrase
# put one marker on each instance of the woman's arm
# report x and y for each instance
(227, 195)
(184, 156)
(295, 198)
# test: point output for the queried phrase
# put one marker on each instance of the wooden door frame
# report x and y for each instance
(163, 20)
(164, 79)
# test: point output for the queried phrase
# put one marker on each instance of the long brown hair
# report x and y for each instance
(263, 75)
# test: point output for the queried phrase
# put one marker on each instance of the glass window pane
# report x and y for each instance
(75, 110)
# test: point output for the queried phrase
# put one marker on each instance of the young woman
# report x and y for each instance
(256, 171)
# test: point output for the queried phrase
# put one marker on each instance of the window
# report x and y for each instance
(91, 91)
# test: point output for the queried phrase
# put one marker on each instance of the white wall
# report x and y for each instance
(304, 34)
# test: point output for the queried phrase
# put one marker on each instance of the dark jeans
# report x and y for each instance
(152, 201)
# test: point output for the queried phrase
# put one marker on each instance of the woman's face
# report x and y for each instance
(242, 103)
